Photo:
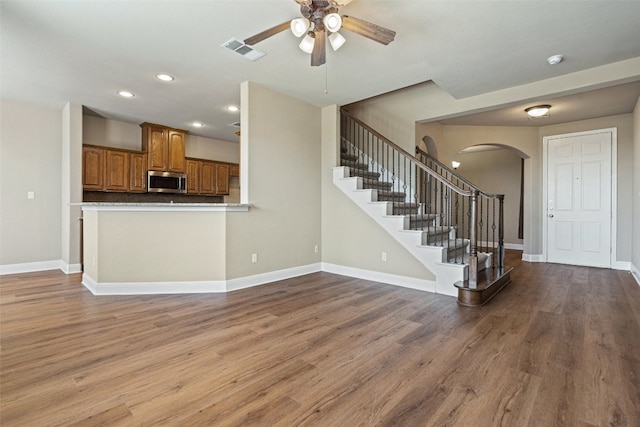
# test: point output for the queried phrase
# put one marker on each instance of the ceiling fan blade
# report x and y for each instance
(318, 55)
(267, 33)
(368, 30)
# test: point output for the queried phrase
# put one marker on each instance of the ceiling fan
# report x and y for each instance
(318, 18)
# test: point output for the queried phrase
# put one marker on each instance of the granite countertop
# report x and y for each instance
(115, 206)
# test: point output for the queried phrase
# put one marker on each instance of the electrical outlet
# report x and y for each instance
(254, 257)
(315, 248)
(384, 256)
(31, 195)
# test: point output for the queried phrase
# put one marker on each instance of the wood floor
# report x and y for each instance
(560, 346)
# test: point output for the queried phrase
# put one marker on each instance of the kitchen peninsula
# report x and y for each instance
(154, 248)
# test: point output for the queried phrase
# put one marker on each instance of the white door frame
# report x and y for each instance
(614, 189)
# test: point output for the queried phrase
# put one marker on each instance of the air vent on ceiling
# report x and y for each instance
(242, 49)
(234, 124)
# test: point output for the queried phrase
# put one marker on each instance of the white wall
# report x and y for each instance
(280, 173)
(30, 160)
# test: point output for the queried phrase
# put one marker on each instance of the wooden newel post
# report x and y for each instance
(473, 231)
(501, 233)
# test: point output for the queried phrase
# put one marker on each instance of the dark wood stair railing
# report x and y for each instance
(451, 209)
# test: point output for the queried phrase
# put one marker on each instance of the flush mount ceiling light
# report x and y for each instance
(538, 111)
(164, 77)
(233, 108)
(125, 94)
(197, 124)
(320, 20)
(555, 59)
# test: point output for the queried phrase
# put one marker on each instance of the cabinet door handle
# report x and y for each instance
(550, 215)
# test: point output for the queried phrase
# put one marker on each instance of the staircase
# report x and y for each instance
(434, 213)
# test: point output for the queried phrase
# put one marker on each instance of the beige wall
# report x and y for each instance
(350, 238)
(157, 246)
(450, 140)
(118, 134)
(635, 259)
(496, 171)
(400, 115)
(624, 124)
(30, 160)
(281, 168)
(111, 133)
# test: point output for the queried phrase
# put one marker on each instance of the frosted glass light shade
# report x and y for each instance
(307, 43)
(336, 40)
(299, 26)
(332, 22)
(538, 110)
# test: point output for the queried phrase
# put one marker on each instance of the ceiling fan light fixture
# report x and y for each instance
(332, 22)
(307, 43)
(299, 26)
(538, 111)
(337, 40)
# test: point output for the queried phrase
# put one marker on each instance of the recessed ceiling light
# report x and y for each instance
(555, 59)
(126, 94)
(197, 124)
(232, 108)
(164, 77)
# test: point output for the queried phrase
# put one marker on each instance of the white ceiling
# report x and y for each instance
(54, 52)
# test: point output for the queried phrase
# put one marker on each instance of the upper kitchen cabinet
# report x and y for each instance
(93, 159)
(164, 147)
(117, 170)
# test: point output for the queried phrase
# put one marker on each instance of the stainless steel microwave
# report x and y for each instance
(166, 182)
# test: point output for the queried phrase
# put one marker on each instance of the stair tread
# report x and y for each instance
(354, 164)
(363, 173)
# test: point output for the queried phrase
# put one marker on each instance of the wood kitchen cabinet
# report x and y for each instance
(207, 177)
(112, 169)
(164, 147)
(222, 179)
(234, 170)
(138, 172)
(93, 165)
(116, 170)
(193, 176)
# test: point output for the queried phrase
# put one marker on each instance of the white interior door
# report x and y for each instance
(578, 210)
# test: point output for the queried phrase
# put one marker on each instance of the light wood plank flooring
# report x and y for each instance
(560, 346)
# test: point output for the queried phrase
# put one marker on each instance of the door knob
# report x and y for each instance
(550, 215)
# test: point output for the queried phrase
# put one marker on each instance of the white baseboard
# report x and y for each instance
(70, 268)
(621, 265)
(515, 246)
(533, 257)
(199, 287)
(271, 276)
(635, 273)
(375, 276)
(30, 267)
(152, 288)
